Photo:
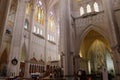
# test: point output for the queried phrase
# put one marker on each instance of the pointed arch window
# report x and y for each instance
(51, 22)
(96, 7)
(88, 8)
(13, 10)
(35, 29)
(26, 24)
(48, 37)
(51, 27)
(28, 8)
(41, 32)
(38, 30)
(81, 11)
(39, 13)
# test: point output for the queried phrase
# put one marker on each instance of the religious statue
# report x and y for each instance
(100, 60)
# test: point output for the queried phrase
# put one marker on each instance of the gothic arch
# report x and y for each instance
(43, 4)
(52, 4)
(87, 30)
(44, 8)
(13, 10)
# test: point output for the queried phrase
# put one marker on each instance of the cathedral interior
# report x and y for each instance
(60, 39)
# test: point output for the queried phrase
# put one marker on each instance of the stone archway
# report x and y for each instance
(85, 31)
(95, 53)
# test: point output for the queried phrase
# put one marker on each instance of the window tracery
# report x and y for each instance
(26, 24)
(28, 8)
(81, 11)
(51, 22)
(37, 30)
(39, 13)
(88, 8)
(13, 10)
(96, 7)
(51, 26)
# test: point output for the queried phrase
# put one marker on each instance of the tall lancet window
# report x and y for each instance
(28, 8)
(51, 22)
(13, 11)
(81, 11)
(51, 27)
(88, 8)
(96, 7)
(39, 13)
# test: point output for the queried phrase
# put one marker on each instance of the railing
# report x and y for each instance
(70, 77)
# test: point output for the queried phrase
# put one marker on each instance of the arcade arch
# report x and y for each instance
(96, 54)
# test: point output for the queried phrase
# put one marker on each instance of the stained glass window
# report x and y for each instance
(28, 8)
(26, 24)
(96, 7)
(13, 10)
(51, 22)
(88, 8)
(39, 13)
(81, 11)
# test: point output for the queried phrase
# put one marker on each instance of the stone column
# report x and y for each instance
(16, 45)
(45, 25)
(77, 63)
(115, 33)
(31, 26)
(116, 61)
(110, 15)
(65, 25)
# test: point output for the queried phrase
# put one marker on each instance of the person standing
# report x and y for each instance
(79, 73)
